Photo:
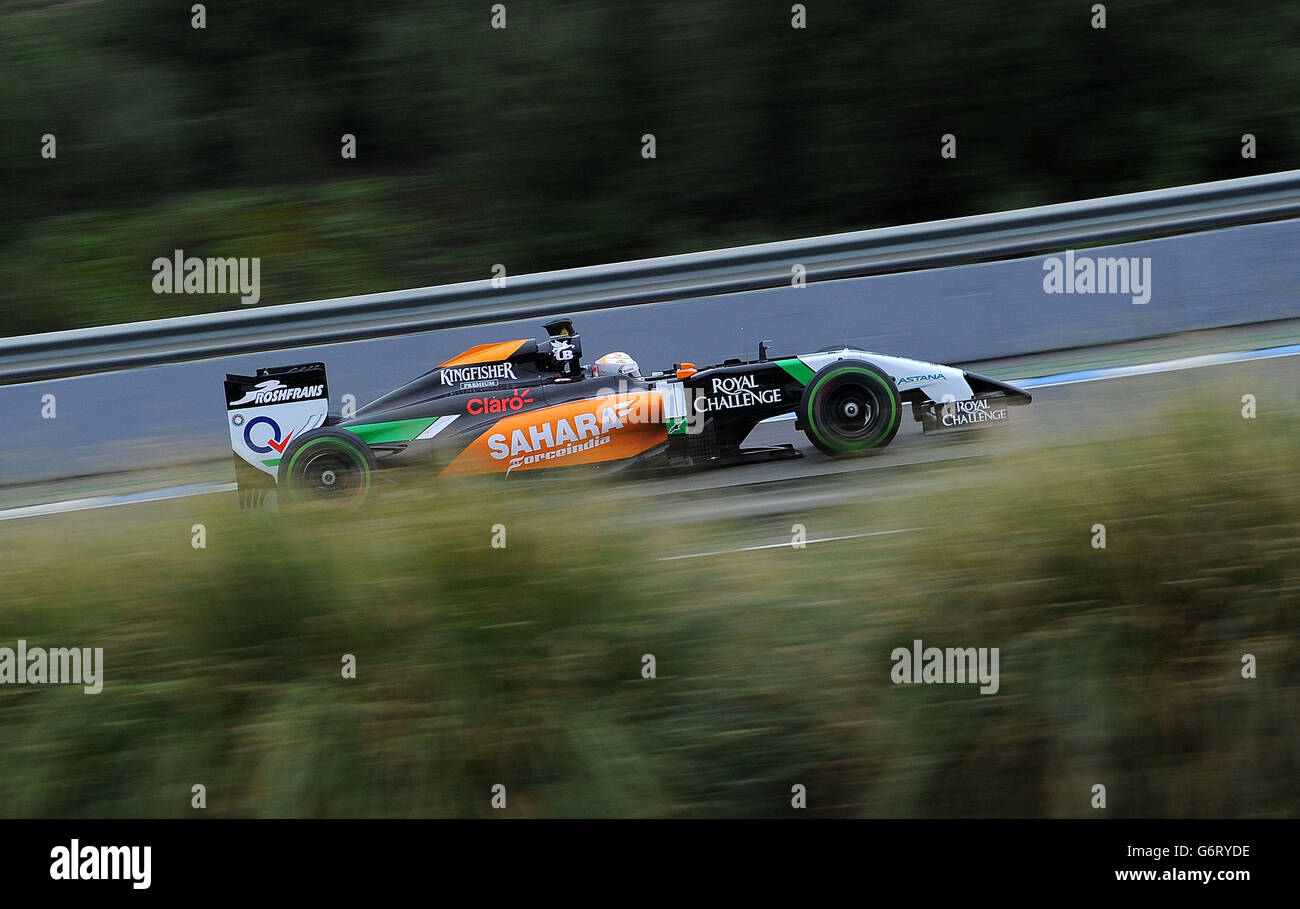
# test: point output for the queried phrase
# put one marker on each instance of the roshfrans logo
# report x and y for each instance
(558, 438)
(454, 375)
(736, 391)
(274, 391)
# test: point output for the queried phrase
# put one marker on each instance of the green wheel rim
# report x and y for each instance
(834, 443)
(333, 443)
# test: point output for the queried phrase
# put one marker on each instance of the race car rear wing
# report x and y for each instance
(264, 413)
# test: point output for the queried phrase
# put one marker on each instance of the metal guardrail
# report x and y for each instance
(769, 265)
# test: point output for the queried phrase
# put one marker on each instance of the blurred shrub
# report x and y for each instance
(522, 665)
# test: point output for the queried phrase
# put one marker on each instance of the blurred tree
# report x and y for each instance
(523, 145)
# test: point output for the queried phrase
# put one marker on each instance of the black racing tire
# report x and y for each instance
(327, 465)
(849, 408)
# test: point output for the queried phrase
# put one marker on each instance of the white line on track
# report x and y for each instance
(847, 536)
(153, 495)
(1069, 378)
(1147, 369)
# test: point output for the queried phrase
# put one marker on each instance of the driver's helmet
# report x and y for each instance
(617, 364)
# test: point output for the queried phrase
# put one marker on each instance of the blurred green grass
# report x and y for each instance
(521, 665)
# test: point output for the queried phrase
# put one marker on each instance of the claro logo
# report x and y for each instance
(509, 404)
(558, 438)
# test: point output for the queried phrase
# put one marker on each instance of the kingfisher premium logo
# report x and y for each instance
(490, 374)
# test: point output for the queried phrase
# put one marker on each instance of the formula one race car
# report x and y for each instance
(527, 405)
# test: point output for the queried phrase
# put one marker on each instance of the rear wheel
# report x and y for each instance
(329, 465)
(849, 408)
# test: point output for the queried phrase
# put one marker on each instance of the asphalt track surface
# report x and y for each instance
(1066, 414)
(163, 416)
(1068, 408)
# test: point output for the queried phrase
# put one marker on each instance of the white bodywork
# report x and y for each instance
(260, 433)
(940, 383)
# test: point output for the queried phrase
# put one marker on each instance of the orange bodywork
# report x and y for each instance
(590, 431)
(486, 353)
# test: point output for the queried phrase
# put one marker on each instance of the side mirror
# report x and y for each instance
(763, 347)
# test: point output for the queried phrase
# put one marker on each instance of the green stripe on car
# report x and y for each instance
(798, 369)
(395, 431)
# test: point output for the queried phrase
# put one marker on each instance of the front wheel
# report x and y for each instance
(328, 465)
(849, 408)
